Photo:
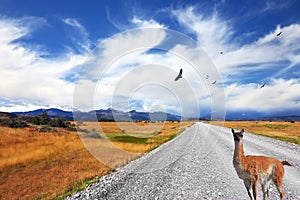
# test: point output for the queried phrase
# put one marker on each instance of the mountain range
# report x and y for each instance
(111, 114)
(104, 115)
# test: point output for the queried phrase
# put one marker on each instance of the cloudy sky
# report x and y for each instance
(126, 54)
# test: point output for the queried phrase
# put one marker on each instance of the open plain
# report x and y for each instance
(47, 165)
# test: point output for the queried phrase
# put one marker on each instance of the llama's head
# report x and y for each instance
(237, 135)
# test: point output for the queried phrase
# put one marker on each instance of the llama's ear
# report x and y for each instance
(242, 130)
(232, 130)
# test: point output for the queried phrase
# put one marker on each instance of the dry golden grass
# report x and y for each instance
(46, 165)
(285, 131)
(20, 145)
(43, 165)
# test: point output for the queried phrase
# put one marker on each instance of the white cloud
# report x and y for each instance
(83, 41)
(215, 35)
(120, 73)
(268, 49)
(13, 55)
(139, 23)
(211, 32)
(279, 95)
(269, 55)
(112, 50)
(27, 76)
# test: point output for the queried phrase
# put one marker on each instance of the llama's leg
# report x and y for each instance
(248, 185)
(265, 190)
(278, 183)
(255, 189)
(268, 188)
(278, 178)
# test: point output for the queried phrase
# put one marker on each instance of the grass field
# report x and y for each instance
(50, 165)
(285, 131)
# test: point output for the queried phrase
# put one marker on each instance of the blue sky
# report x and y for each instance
(49, 49)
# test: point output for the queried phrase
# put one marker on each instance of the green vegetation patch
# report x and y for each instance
(291, 139)
(276, 126)
(175, 135)
(157, 139)
(126, 138)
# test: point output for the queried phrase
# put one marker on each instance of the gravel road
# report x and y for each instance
(195, 165)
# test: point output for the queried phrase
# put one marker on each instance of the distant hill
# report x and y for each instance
(260, 116)
(7, 115)
(283, 118)
(104, 115)
(133, 115)
(52, 112)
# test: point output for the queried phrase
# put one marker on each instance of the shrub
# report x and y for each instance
(13, 122)
(92, 134)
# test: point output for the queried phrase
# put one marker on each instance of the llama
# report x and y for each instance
(252, 169)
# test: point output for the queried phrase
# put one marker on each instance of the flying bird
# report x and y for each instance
(179, 75)
(207, 76)
(221, 52)
(214, 82)
(278, 33)
(263, 85)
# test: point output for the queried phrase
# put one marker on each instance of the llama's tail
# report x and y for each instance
(286, 163)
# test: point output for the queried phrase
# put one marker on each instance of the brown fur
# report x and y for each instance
(254, 169)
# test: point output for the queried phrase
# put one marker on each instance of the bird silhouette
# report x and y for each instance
(214, 82)
(278, 33)
(206, 77)
(263, 85)
(179, 75)
(221, 52)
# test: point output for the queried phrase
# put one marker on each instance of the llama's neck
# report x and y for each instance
(238, 155)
